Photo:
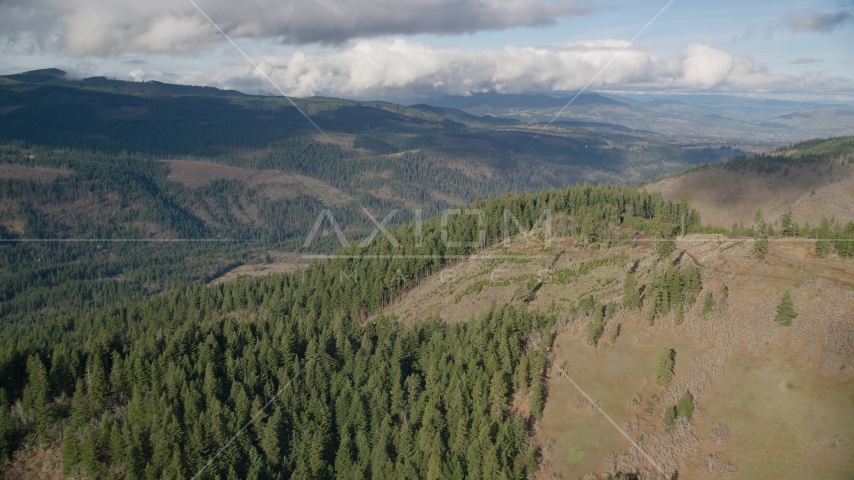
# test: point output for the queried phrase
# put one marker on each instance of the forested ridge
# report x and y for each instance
(156, 387)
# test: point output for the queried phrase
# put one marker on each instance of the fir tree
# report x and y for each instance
(595, 327)
(787, 228)
(79, 406)
(37, 396)
(666, 364)
(785, 310)
(89, 453)
(70, 451)
(270, 437)
(760, 235)
(685, 406)
(669, 417)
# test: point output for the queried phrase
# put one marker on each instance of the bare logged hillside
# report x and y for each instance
(769, 401)
(725, 196)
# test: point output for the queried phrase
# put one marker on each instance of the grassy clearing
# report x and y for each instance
(783, 418)
(611, 378)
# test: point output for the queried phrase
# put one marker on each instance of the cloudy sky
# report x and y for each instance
(424, 48)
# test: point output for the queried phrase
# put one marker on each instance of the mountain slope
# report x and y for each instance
(815, 178)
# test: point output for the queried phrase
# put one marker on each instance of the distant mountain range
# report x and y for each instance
(693, 115)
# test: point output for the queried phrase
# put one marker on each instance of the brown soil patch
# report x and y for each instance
(15, 226)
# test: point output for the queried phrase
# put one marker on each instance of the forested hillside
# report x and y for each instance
(156, 388)
(117, 190)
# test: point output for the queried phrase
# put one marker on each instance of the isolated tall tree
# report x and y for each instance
(595, 328)
(669, 417)
(786, 310)
(666, 364)
(760, 235)
(685, 407)
(787, 228)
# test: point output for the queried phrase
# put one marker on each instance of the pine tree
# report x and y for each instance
(823, 246)
(760, 235)
(685, 406)
(595, 328)
(37, 396)
(270, 437)
(79, 406)
(666, 364)
(786, 310)
(70, 451)
(786, 225)
(669, 417)
(89, 453)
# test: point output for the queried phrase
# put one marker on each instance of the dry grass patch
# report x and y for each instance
(582, 436)
(13, 171)
(783, 418)
(724, 197)
(262, 269)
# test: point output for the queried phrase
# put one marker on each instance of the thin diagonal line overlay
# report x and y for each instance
(261, 71)
(649, 459)
(254, 417)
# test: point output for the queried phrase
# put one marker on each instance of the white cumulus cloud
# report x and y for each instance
(404, 68)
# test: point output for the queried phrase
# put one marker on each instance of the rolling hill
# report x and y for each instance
(815, 179)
